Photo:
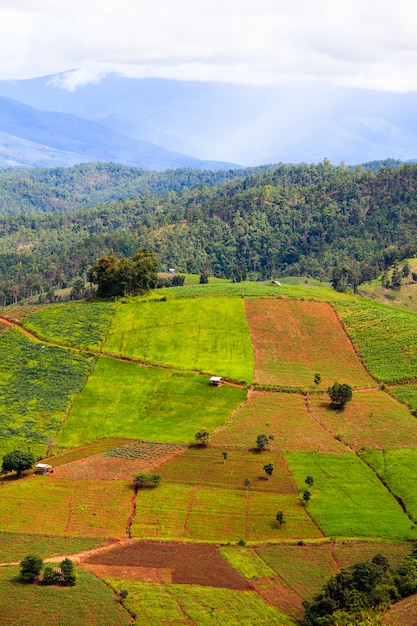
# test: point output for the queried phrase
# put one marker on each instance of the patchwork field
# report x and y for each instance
(373, 419)
(32, 401)
(402, 613)
(123, 399)
(406, 394)
(181, 512)
(348, 500)
(82, 325)
(386, 339)
(120, 463)
(205, 334)
(89, 602)
(283, 415)
(56, 506)
(181, 563)
(206, 467)
(193, 604)
(294, 339)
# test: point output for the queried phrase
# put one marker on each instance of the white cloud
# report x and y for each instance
(366, 43)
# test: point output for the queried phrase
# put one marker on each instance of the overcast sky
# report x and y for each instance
(362, 43)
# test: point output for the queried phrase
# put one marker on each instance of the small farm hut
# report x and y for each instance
(43, 468)
(216, 381)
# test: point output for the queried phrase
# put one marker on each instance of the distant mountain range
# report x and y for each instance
(156, 123)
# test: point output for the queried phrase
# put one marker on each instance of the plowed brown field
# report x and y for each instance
(294, 339)
(191, 564)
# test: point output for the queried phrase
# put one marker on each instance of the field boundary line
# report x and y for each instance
(354, 348)
(320, 423)
(132, 514)
(189, 508)
(71, 500)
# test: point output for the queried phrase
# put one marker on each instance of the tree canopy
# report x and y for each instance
(120, 277)
(18, 461)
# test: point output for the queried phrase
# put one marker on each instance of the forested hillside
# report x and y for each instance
(316, 220)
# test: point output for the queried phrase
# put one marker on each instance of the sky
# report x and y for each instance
(356, 43)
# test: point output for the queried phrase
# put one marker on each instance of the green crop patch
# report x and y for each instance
(123, 399)
(347, 498)
(37, 384)
(294, 340)
(194, 604)
(282, 415)
(80, 325)
(398, 468)
(406, 394)
(206, 466)
(15, 546)
(56, 506)
(174, 512)
(373, 419)
(89, 603)
(249, 289)
(385, 338)
(206, 334)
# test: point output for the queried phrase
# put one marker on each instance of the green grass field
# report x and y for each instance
(192, 604)
(398, 468)
(89, 603)
(373, 419)
(385, 338)
(348, 500)
(79, 325)
(123, 399)
(37, 385)
(205, 334)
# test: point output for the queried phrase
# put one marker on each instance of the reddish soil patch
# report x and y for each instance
(404, 613)
(190, 564)
(102, 466)
(276, 592)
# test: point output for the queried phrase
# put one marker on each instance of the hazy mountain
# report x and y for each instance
(43, 138)
(237, 123)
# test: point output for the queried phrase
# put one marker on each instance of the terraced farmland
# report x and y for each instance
(110, 417)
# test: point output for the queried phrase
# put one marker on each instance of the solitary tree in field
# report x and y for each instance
(18, 461)
(247, 484)
(269, 468)
(202, 437)
(309, 481)
(224, 453)
(281, 518)
(68, 573)
(340, 394)
(31, 567)
(306, 496)
(146, 479)
(262, 442)
(317, 378)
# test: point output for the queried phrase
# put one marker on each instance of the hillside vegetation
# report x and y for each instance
(105, 391)
(334, 223)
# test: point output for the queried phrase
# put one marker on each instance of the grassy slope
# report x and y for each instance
(206, 334)
(122, 399)
(192, 604)
(89, 602)
(347, 498)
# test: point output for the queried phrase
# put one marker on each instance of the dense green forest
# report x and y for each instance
(324, 221)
